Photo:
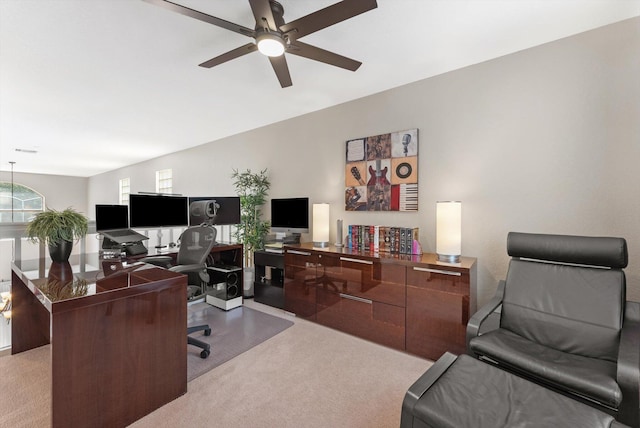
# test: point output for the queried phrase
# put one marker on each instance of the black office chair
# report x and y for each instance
(195, 246)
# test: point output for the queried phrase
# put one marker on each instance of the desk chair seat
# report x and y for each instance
(195, 245)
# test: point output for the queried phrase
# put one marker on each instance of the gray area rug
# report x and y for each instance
(232, 333)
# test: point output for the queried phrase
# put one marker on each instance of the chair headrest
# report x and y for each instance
(584, 250)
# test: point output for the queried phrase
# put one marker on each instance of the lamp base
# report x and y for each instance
(448, 258)
(320, 244)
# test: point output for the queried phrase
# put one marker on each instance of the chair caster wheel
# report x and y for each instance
(207, 332)
(204, 354)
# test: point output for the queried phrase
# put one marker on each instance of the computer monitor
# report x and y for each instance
(154, 210)
(111, 217)
(216, 210)
(290, 215)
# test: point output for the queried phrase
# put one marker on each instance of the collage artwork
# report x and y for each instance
(382, 172)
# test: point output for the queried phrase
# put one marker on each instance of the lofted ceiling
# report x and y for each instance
(95, 85)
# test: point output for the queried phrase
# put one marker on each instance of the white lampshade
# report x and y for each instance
(449, 231)
(320, 225)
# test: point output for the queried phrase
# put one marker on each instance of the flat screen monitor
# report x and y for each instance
(158, 210)
(218, 210)
(112, 217)
(290, 215)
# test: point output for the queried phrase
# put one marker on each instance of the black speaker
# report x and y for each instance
(226, 281)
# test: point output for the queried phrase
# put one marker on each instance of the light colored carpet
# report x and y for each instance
(306, 376)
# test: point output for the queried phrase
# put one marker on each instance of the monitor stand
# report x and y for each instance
(159, 246)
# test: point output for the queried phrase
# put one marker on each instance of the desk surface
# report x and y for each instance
(83, 276)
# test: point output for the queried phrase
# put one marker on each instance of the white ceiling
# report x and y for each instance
(94, 85)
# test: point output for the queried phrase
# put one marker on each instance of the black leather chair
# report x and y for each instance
(561, 319)
(463, 392)
(195, 246)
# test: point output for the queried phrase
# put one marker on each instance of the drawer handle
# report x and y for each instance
(364, 262)
(445, 272)
(357, 299)
(300, 253)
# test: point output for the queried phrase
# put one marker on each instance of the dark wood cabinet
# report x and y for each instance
(300, 283)
(268, 287)
(411, 303)
(444, 294)
(363, 297)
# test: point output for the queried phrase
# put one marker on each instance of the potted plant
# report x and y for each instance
(252, 189)
(58, 230)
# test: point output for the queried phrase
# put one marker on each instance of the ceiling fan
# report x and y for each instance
(273, 36)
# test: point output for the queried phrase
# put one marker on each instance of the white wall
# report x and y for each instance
(60, 191)
(546, 140)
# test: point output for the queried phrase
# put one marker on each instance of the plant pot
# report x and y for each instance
(248, 275)
(61, 251)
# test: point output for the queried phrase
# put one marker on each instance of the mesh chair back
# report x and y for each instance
(195, 244)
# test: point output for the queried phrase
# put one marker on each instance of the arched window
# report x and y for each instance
(18, 204)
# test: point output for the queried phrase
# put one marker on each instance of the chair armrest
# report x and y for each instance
(162, 261)
(188, 268)
(475, 323)
(422, 385)
(628, 375)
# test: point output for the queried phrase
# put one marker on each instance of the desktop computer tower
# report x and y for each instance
(225, 286)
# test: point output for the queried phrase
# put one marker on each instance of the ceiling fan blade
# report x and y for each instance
(279, 64)
(174, 7)
(263, 14)
(233, 54)
(317, 54)
(326, 17)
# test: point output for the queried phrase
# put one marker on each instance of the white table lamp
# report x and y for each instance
(321, 225)
(449, 231)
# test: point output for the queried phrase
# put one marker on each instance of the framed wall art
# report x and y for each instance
(382, 172)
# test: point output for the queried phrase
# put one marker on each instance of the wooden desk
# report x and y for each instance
(118, 338)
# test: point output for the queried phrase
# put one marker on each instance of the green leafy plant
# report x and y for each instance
(252, 188)
(52, 227)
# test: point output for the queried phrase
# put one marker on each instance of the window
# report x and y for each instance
(164, 181)
(18, 204)
(125, 190)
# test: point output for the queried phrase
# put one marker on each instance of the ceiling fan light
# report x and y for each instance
(270, 44)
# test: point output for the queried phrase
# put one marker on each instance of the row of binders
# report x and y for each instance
(383, 239)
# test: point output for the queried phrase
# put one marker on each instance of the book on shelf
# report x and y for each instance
(383, 239)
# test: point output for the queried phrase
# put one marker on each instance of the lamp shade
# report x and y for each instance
(449, 231)
(320, 225)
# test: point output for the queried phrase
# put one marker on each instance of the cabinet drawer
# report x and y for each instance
(379, 322)
(300, 258)
(372, 280)
(436, 322)
(439, 278)
(300, 291)
(264, 258)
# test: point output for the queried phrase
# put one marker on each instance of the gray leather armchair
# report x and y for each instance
(561, 319)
